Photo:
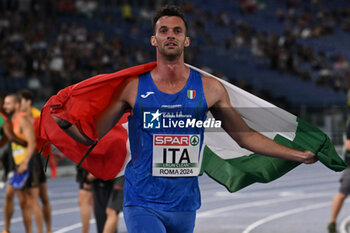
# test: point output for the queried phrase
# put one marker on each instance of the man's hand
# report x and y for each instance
(86, 186)
(309, 157)
(90, 177)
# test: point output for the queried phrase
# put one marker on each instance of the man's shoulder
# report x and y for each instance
(24, 118)
(131, 82)
(128, 90)
(211, 83)
(214, 90)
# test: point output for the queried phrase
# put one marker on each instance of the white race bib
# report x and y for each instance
(176, 155)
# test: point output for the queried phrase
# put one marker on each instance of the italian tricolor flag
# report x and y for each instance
(191, 94)
(222, 158)
(229, 164)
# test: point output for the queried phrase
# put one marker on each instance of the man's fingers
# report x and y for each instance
(310, 158)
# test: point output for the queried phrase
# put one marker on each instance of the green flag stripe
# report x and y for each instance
(175, 165)
(309, 137)
(2, 120)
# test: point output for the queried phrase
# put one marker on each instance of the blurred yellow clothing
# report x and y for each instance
(126, 11)
(35, 112)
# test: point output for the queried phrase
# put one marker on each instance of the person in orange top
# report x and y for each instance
(7, 135)
(28, 195)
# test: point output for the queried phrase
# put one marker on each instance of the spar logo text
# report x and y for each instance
(175, 147)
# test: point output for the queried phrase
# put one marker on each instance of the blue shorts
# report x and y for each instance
(146, 220)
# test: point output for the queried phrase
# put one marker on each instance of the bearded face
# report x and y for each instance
(170, 37)
(11, 104)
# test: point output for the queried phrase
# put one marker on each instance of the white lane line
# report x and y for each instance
(73, 227)
(63, 194)
(53, 203)
(66, 211)
(344, 225)
(79, 225)
(224, 195)
(56, 212)
(216, 211)
(213, 212)
(285, 213)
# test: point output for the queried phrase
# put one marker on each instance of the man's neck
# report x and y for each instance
(171, 70)
(28, 111)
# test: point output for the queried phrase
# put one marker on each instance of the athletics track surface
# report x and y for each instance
(296, 203)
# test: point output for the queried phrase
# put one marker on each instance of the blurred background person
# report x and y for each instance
(344, 189)
(85, 199)
(26, 98)
(26, 163)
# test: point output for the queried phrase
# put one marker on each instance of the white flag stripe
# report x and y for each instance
(257, 113)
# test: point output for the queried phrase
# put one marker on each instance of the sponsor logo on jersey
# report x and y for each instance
(162, 120)
(152, 120)
(148, 93)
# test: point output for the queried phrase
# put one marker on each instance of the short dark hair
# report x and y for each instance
(169, 10)
(26, 94)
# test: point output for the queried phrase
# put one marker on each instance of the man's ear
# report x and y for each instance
(187, 41)
(153, 41)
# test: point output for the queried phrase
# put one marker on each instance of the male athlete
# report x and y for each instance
(7, 135)
(26, 98)
(161, 192)
(29, 193)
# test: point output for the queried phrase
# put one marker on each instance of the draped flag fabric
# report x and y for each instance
(223, 159)
(236, 168)
(2, 121)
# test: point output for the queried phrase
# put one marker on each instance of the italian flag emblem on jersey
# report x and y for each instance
(191, 94)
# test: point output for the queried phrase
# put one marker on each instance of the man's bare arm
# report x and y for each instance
(73, 131)
(28, 132)
(347, 144)
(105, 123)
(246, 137)
(110, 117)
(123, 99)
(8, 130)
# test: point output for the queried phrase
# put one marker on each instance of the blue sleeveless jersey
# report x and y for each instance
(165, 146)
